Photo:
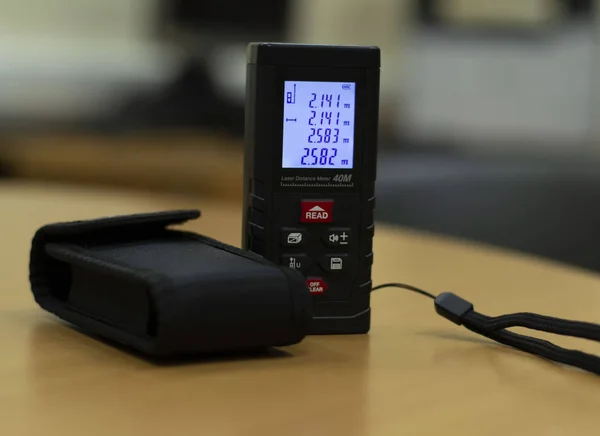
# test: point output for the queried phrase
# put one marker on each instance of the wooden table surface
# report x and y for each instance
(198, 163)
(414, 374)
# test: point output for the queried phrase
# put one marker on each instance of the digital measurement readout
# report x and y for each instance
(318, 125)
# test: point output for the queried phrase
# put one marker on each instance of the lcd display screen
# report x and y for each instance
(318, 124)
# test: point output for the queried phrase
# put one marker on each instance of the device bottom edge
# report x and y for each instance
(347, 325)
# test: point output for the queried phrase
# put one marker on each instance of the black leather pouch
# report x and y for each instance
(162, 291)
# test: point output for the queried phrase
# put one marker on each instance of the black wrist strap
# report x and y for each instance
(461, 312)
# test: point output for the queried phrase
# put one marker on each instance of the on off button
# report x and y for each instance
(316, 285)
(316, 211)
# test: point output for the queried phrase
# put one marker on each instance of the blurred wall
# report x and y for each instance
(68, 59)
(515, 12)
(527, 90)
(107, 19)
(510, 76)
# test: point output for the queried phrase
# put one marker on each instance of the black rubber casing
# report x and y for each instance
(165, 292)
(272, 203)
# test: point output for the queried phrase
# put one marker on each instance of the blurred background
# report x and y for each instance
(489, 109)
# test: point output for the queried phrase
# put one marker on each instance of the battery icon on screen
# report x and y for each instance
(346, 86)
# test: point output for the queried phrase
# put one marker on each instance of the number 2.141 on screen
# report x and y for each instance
(318, 125)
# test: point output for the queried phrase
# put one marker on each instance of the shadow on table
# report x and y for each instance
(59, 338)
(458, 336)
(492, 355)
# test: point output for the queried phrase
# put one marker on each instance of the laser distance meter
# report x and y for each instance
(310, 169)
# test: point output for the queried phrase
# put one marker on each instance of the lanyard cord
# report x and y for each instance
(461, 312)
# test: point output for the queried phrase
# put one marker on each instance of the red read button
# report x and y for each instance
(316, 285)
(316, 211)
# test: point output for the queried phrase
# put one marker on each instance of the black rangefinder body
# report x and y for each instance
(310, 169)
